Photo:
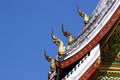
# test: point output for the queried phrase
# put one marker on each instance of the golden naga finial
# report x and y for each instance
(84, 15)
(51, 60)
(68, 35)
(58, 42)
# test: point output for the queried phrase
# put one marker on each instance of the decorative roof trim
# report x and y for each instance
(91, 70)
(93, 42)
(87, 63)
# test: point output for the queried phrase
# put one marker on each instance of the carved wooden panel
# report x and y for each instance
(110, 56)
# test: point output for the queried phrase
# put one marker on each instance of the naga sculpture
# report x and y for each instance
(58, 42)
(68, 35)
(51, 60)
(84, 15)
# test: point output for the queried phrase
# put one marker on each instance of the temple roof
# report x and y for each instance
(101, 15)
(85, 49)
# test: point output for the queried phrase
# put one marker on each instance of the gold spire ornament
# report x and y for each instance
(58, 42)
(51, 60)
(84, 15)
(68, 35)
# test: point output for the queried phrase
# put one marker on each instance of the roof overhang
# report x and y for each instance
(93, 42)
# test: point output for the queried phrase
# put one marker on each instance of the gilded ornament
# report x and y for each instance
(58, 42)
(51, 60)
(84, 15)
(68, 35)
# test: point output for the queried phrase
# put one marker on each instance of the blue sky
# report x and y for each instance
(25, 32)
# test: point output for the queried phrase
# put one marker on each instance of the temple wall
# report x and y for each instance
(110, 54)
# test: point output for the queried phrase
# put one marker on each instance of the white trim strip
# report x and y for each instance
(94, 54)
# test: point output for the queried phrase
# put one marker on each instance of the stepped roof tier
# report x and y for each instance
(86, 56)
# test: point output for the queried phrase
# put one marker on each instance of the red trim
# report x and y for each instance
(91, 70)
(93, 42)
